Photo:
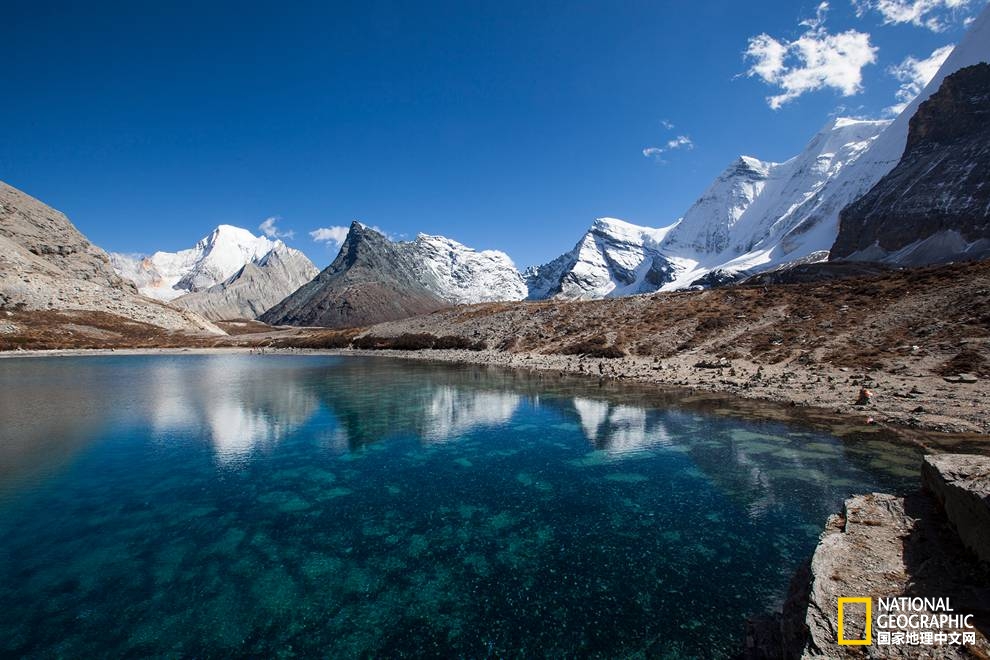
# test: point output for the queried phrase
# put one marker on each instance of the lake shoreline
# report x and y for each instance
(955, 413)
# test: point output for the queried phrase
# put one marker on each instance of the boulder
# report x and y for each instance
(879, 546)
(961, 485)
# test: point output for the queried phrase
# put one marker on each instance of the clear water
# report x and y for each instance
(214, 506)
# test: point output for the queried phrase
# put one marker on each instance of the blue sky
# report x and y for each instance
(506, 125)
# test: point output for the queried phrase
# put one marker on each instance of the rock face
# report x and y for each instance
(374, 279)
(47, 264)
(961, 484)
(255, 288)
(371, 280)
(934, 206)
(883, 546)
(214, 259)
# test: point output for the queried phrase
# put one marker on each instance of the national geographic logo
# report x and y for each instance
(905, 621)
(868, 633)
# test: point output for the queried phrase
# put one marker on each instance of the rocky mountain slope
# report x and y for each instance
(214, 259)
(255, 288)
(374, 279)
(47, 264)
(371, 280)
(935, 204)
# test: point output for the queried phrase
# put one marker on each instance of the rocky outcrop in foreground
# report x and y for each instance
(961, 484)
(47, 264)
(882, 546)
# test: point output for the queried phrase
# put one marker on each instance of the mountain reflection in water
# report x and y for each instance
(233, 505)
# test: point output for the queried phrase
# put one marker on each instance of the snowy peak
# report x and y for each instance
(463, 275)
(754, 204)
(707, 225)
(214, 258)
(255, 288)
(613, 258)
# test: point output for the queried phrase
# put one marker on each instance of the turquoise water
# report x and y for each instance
(298, 506)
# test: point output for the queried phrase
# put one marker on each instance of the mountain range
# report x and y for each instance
(229, 274)
(907, 191)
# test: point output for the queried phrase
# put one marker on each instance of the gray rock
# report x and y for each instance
(919, 213)
(370, 281)
(47, 264)
(880, 546)
(961, 484)
(255, 288)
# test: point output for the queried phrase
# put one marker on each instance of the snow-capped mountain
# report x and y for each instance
(255, 288)
(375, 279)
(614, 258)
(462, 275)
(756, 214)
(168, 275)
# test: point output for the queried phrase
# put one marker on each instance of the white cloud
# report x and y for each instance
(813, 61)
(936, 15)
(679, 142)
(667, 124)
(913, 75)
(269, 229)
(332, 236)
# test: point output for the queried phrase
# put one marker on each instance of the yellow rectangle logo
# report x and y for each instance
(868, 602)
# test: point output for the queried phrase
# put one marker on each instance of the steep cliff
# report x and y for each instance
(934, 206)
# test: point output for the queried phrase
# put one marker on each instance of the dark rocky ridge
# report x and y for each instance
(934, 206)
(371, 280)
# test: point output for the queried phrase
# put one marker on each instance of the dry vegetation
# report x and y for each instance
(858, 323)
(46, 330)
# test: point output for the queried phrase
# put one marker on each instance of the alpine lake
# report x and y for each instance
(340, 507)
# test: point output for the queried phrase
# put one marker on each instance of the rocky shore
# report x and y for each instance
(911, 400)
(927, 545)
(932, 410)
